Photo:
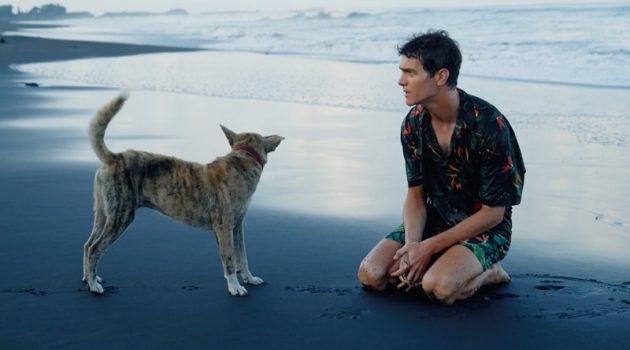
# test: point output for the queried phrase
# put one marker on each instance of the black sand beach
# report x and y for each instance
(164, 283)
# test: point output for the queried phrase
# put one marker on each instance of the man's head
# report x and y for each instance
(428, 61)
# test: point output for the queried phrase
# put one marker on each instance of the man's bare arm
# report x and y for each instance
(414, 214)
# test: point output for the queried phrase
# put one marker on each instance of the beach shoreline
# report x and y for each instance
(164, 285)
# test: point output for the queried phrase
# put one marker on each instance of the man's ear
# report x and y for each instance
(229, 134)
(271, 142)
(441, 76)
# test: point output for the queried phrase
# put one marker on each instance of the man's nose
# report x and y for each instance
(402, 81)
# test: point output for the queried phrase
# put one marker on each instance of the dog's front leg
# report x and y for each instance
(241, 253)
(225, 237)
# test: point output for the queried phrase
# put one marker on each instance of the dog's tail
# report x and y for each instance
(99, 124)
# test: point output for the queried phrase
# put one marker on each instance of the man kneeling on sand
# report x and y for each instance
(464, 173)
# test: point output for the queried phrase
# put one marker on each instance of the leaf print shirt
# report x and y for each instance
(484, 164)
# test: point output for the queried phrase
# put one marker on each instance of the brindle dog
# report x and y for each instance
(212, 196)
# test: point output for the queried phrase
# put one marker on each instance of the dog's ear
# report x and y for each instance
(229, 134)
(271, 142)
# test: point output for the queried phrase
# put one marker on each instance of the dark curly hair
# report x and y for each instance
(435, 50)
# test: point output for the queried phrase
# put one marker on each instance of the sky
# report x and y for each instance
(98, 7)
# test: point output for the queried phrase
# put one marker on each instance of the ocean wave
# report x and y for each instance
(609, 52)
(355, 14)
(586, 46)
(321, 14)
(311, 81)
(594, 85)
(546, 42)
(231, 12)
(564, 9)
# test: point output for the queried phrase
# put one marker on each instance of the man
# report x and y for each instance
(464, 173)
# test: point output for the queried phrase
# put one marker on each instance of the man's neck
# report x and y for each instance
(445, 108)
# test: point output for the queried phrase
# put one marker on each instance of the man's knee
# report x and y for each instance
(442, 287)
(372, 276)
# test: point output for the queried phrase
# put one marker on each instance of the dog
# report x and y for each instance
(212, 196)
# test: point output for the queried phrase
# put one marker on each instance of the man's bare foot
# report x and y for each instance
(497, 275)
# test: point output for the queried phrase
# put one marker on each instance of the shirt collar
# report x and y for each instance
(466, 114)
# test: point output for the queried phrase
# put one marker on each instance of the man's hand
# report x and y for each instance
(399, 271)
(413, 259)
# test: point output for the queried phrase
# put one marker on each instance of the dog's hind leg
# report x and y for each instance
(97, 231)
(225, 238)
(97, 227)
(241, 256)
(115, 225)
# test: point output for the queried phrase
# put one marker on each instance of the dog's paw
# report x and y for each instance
(237, 290)
(98, 279)
(96, 288)
(253, 280)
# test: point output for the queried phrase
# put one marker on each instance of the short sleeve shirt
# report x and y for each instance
(484, 164)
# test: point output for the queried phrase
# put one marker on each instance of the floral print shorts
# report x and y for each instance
(489, 247)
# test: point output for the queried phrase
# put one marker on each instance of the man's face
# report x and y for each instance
(418, 86)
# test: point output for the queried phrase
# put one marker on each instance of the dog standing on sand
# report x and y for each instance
(212, 196)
